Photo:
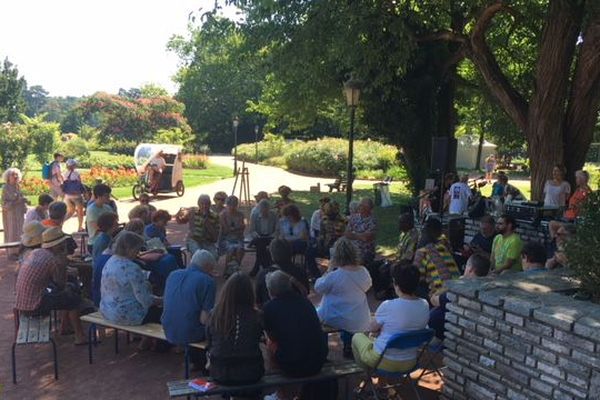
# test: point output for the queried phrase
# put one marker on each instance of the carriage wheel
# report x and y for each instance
(179, 188)
(137, 190)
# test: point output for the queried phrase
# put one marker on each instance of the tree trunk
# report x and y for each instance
(545, 119)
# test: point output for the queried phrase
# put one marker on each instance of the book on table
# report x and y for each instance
(201, 384)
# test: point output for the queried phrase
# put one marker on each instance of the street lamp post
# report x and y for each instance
(352, 93)
(256, 142)
(236, 123)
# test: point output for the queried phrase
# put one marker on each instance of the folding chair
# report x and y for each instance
(428, 364)
(401, 341)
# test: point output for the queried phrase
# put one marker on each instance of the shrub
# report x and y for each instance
(75, 148)
(112, 177)
(114, 161)
(195, 161)
(126, 147)
(583, 250)
(14, 145)
(271, 146)
(175, 136)
(34, 186)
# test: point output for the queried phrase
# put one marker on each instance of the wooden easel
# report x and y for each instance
(244, 196)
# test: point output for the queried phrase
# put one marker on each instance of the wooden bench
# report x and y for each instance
(9, 245)
(339, 184)
(329, 371)
(152, 330)
(32, 330)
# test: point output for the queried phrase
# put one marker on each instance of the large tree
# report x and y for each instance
(12, 87)
(558, 112)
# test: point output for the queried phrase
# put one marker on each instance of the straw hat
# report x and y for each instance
(53, 237)
(32, 234)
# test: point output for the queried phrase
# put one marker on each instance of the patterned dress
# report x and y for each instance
(126, 294)
(361, 224)
(13, 212)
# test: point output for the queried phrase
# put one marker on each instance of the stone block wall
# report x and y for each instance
(527, 231)
(518, 337)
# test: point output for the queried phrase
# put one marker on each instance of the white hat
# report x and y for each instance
(32, 234)
(53, 237)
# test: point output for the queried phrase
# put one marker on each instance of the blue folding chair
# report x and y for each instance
(401, 341)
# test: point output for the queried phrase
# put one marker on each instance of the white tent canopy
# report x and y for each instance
(466, 152)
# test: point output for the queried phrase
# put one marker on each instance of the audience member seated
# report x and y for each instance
(126, 294)
(281, 253)
(296, 342)
(317, 216)
(407, 245)
(332, 227)
(219, 199)
(362, 229)
(262, 195)
(42, 282)
(108, 223)
(158, 230)
(232, 234)
(141, 212)
(95, 210)
(557, 190)
(40, 212)
(561, 233)
(57, 210)
(533, 258)
(434, 260)
(293, 228)
(477, 265)
(577, 200)
(263, 225)
(145, 201)
(284, 191)
(498, 187)
(188, 299)
(203, 226)
(507, 245)
(343, 287)
(234, 332)
(31, 238)
(481, 242)
(406, 313)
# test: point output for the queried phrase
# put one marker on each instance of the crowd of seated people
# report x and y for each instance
(139, 276)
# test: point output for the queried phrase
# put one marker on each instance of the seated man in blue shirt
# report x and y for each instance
(188, 298)
(533, 258)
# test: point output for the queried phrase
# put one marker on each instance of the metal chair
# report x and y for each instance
(401, 341)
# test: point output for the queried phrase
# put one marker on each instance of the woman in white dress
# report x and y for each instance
(14, 206)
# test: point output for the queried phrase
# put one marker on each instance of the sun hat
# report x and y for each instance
(71, 162)
(32, 234)
(52, 237)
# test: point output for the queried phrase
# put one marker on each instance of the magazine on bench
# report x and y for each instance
(201, 385)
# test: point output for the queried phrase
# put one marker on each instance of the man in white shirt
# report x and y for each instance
(460, 193)
(156, 165)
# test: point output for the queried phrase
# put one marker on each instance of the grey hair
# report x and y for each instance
(203, 259)
(344, 253)
(368, 201)
(126, 242)
(264, 204)
(584, 174)
(10, 171)
(278, 283)
(204, 198)
(353, 206)
(232, 201)
(57, 210)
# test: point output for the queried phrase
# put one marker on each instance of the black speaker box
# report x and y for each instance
(443, 154)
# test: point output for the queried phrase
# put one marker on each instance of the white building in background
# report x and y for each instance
(466, 152)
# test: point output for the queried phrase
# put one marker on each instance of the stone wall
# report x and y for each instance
(518, 337)
(527, 231)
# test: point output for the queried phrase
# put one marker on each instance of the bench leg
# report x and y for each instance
(55, 358)
(186, 359)
(91, 340)
(14, 363)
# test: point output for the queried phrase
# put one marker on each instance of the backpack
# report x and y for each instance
(47, 170)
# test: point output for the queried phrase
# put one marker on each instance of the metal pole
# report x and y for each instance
(349, 175)
(235, 129)
(256, 143)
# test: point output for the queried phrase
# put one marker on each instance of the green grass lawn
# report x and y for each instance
(387, 218)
